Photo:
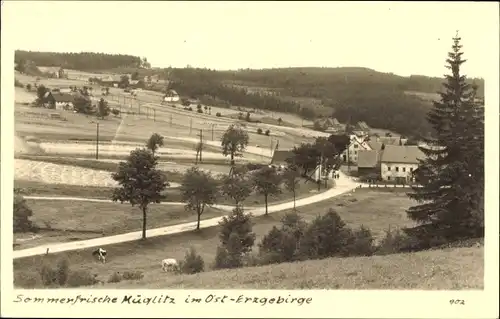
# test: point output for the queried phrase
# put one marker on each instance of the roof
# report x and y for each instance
(368, 158)
(280, 157)
(401, 154)
(375, 145)
(63, 97)
(362, 125)
(389, 140)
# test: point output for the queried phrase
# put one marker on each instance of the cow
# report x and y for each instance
(169, 264)
(101, 254)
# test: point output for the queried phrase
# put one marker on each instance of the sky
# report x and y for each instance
(398, 37)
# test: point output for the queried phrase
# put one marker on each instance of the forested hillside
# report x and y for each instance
(382, 100)
(78, 61)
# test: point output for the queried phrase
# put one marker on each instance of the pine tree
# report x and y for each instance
(452, 173)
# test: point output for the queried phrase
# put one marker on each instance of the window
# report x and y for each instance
(411, 169)
(404, 169)
(355, 152)
(388, 168)
(355, 145)
(397, 169)
(388, 178)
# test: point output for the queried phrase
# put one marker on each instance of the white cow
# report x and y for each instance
(169, 264)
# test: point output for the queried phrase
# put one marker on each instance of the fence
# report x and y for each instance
(392, 185)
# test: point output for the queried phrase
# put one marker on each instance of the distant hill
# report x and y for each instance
(83, 61)
(351, 94)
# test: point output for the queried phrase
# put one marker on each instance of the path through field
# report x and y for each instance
(344, 185)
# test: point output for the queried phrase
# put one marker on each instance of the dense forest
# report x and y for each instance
(78, 61)
(350, 94)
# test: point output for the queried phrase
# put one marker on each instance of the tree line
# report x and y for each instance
(84, 61)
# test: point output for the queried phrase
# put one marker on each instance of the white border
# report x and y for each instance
(363, 303)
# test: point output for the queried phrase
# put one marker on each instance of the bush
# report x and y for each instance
(115, 277)
(281, 245)
(133, 275)
(268, 132)
(115, 112)
(81, 278)
(48, 275)
(239, 224)
(394, 242)
(326, 236)
(218, 114)
(62, 271)
(360, 243)
(231, 254)
(199, 106)
(192, 263)
(200, 111)
(259, 131)
(21, 215)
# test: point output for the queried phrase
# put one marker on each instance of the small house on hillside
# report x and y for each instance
(369, 162)
(397, 163)
(171, 96)
(279, 161)
(59, 100)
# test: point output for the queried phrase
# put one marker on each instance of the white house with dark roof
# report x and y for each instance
(357, 144)
(397, 163)
(171, 96)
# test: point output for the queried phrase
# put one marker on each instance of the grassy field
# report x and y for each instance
(447, 269)
(373, 209)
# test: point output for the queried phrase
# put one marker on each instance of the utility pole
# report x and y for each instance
(213, 131)
(97, 142)
(154, 115)
(170, 119)
(201, 144)
(190, 126)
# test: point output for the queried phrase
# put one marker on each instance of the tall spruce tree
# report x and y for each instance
(452, 173)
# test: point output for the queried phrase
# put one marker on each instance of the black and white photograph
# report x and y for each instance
(295, 146)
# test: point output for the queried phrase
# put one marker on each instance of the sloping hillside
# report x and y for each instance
(451, 268)
(351, 94)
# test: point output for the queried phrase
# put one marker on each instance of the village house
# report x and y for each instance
(369, 162)
(397, 163)
(171, 96)
(357, 144)
(61, 101)
(329, 125)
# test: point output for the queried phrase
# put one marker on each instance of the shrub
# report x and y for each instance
(115, 112)
(133, 275)
(21, 215)
(239, 224)
(281, 245)
(259, 131)
(360, 243)
(199, 106)
(326, 236)
(218, 114)
(394, 242)
(81, 278)
(115, 277)
(200, 111)
(48, 275)
(268, 132)
(62, 271)
(231, 254)
(192, 263)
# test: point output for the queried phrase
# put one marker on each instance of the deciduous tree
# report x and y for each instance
(267, 182)
(233, 142)
(154, 142)
(198, 190)
(140, 182)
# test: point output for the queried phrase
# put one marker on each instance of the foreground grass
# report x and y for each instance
(375, 210)
(447, 269)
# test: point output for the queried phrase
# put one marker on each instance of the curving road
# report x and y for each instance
(344, 185)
